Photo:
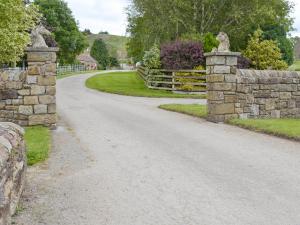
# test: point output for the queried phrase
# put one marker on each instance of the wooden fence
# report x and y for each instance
(70, 69)
(174, 80)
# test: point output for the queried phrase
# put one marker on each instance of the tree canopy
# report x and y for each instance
(16, 20)
(160, 21)
(100, 53)
(59, 17)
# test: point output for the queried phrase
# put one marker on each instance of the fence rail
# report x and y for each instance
(174, 80)
(70, 69)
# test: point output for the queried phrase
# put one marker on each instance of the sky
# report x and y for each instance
(110, 15)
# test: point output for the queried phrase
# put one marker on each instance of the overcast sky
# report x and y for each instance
(109, 15)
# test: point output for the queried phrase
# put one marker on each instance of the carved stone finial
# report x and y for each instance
(37, 38)
(224, 45)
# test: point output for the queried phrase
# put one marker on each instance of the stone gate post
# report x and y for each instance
(41, 81)
(221, 85)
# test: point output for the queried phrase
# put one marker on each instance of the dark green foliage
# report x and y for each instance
(113, 62)
(70, 40)
(87, 32)
(100, 53)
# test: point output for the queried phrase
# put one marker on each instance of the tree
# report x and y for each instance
(264, 54)
(87, 32)
(113, 62)
(152, 58)
(100, 53)
(161, 21)
(66, 32)
(16, 19)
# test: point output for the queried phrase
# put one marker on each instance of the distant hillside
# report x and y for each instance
(116, 45)
(297, 48)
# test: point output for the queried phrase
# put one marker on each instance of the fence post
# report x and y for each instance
(173, 81)
(221, 85)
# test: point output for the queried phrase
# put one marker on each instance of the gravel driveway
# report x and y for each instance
(120, 160)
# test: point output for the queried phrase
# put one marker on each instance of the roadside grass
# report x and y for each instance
(295, 66)
(191, 109)
(64, 75)
(286, 128)
(129, 83)
(38, 144)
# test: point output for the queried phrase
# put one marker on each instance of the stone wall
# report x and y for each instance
(28, 97)
(267, 94)
(12, 169)
(234, 93)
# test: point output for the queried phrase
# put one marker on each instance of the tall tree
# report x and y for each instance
(59, 17)
(16, 20)
(100, 53)
(159, 21)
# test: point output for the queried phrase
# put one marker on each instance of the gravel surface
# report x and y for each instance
(119, 160)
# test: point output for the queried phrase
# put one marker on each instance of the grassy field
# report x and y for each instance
(38, 142)
(287, 128)
(193, 110)
(116, 45)
(295, 66)
(129, 83)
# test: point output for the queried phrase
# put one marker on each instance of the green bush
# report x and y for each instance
(264, 54)
(152, 58)
(210, 42)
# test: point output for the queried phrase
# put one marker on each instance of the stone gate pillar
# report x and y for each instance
(221, 85)
(41, 81)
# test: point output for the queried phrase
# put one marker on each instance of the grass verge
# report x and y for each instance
(38, 144)
(193, 109)
(129, 83)
(61, 76)
(286, 128)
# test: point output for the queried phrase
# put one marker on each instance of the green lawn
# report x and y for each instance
(61, 76)
(193, 110)
(288, 128)
(38, 144)
(129, 83)
(295, 66)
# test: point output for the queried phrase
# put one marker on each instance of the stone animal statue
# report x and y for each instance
(37, 38)
(224, 45)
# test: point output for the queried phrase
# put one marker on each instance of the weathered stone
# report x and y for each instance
(221, 87)
(25, 110)
(50, 68)
(41, 56)
(47, 80)
(215, 95)
(44, 119)
(38, 90)
(220, 109)
(231, 60)
(40, 109)
(215, 78)
(221, 69)
(285, 95)
(34, 70)
(24, 92)
(230, 98)
(31, 100)
(52, 108)
(50, 90)
(46, 99)
(32, 79)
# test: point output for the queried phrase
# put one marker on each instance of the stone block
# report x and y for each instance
(270, 104)
(230, 78)
(40, 109)
(47, 99)
(47, 80)
(220, 109)
(24, 92)
(50, 90)
(32, 79)
(38, 90)
(34, 70)
(275, 114)
(51, 68)
(17, 85)
(221, 87)
(31, 100)
(215, 95)
(215, 78)
(231, 60)
(230, 98)
(43, 119)
(41, 56)
(52, 108)
(285, 95)
(221, 69)
(25, 110)
(218, 60)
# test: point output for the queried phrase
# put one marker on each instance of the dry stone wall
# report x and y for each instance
(12, 169)
(29, 97)
(234, 93)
